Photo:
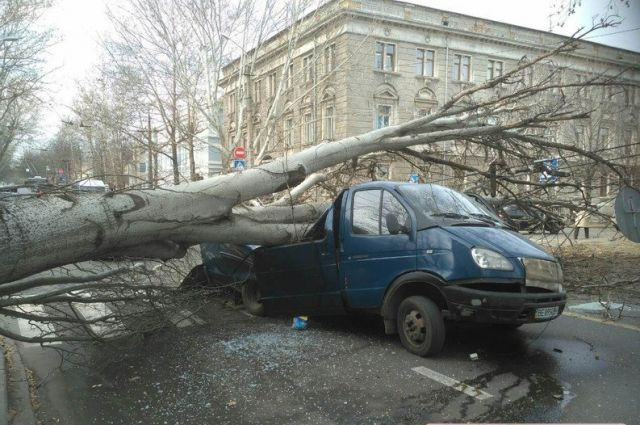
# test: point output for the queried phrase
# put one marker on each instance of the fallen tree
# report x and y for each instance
(84, 298)
(39, 233)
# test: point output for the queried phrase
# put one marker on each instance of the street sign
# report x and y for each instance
(627, 209)
(414, 178)
(238, 165)
(239, 152)
(549, 172)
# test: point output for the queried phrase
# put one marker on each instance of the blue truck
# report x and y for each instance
(415, 254)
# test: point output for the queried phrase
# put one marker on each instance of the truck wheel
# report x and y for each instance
(250, 297)
(420, 326)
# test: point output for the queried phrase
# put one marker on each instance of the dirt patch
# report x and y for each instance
(609, 270)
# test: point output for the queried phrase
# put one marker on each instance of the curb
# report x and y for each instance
(4, 396)
(15, 392)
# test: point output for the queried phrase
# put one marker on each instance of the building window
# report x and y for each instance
(424, 62)
(288, 132)
(308, 67)
(580, 140)
(232, 103)
(329, 58)
(461, 70)
(628, 142)
(528, 76)
(308, 129)
(142, 167)
(494, 69)
(603, 138)
(604, 185)
(290, 76)
(272, 83)
(329, 123)
(257, 91)
(385, 58)
(422, 112)
(214, 153)
(383, 116)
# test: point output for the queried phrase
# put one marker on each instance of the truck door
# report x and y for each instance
(301, 278)
(378, 244)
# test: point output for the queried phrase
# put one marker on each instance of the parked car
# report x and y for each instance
(519, 217)
(416, 254)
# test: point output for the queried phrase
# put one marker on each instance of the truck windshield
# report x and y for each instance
(439, 201)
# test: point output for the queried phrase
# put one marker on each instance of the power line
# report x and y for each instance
(612, 33)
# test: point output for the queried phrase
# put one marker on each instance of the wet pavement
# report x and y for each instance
(236, 368)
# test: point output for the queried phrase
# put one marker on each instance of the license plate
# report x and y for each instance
(546, 312)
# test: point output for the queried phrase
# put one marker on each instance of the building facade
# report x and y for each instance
(359, 65)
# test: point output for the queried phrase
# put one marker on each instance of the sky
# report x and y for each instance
(80, 25)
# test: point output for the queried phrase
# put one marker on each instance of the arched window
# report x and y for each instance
(386, 102)
(425, 102)
(328, 114)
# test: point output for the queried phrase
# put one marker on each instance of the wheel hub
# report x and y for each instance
(415, 327)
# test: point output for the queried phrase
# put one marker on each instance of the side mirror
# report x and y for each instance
(393, 225)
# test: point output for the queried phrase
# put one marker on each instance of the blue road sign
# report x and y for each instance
(414, 178)
(548, 168)
(238, 164)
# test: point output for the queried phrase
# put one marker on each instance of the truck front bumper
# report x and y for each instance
(502, 307)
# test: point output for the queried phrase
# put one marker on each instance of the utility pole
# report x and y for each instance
(150, 167)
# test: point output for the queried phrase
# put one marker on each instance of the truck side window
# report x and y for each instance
(366, 212)
(392, 210)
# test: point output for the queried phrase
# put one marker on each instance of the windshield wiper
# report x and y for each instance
(485, 218)
(451, 215)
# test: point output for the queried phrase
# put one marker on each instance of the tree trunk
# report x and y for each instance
(46, 232)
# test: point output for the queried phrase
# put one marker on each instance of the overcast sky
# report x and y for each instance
(81, 23)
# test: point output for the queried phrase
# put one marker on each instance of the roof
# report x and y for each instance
(91, 183)
(347, 10)
(390, 185)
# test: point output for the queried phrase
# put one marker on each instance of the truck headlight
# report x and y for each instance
(543, 274)
(487, 259)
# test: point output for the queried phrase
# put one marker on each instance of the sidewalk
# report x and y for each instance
(15, 399)
(4, 396)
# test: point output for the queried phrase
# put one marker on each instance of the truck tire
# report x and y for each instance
(250, 297)
(420, 326)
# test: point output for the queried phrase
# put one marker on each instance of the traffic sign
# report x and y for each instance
(414, 178)
(238, 164)
(239, 152)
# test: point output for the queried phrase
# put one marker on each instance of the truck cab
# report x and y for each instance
(416, 254)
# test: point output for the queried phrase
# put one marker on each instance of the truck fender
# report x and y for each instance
(408, 284)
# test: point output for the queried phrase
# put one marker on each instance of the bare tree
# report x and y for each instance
(158, 48)
(22, 45)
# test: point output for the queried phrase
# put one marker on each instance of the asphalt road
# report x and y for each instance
(237, 369)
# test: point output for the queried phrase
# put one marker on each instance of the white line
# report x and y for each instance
(450, 382)
(110, 327)
(185, 318)
(601, 320)
(192, 317)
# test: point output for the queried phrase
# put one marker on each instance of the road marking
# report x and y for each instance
(192, 317)
(602, 321)
(450, 382)
(109, 327)
(185, 318)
